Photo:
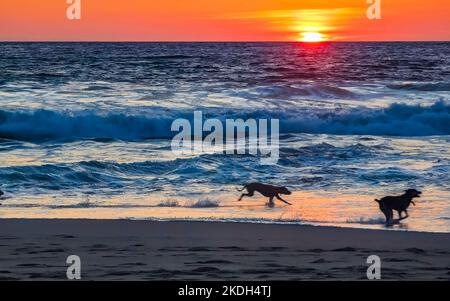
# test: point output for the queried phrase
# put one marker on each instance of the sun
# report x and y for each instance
(311, 36)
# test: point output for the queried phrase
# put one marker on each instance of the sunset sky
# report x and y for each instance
(227, 20)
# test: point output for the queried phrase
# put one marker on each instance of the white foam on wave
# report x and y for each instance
(367, 221)
(204, 203)
(395, 120)
(169, 203)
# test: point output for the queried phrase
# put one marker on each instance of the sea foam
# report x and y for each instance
(395, 120)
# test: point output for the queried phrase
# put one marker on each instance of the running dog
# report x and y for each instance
(269, 191)
(398, 203)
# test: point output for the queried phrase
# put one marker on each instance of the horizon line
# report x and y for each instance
(217, 41)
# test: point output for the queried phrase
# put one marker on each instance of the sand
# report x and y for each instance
(36, 249)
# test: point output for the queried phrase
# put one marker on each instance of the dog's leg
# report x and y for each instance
(242, 195)
(399, 214)
(407, 215)
(271, 203)
(278, 197)
(386, 215)
(404, 217)
(249, 194)
(389, 215)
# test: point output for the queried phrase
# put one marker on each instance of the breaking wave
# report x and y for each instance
(395, 120)
(206, 203)
(367, 221)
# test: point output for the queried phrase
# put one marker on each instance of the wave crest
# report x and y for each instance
(395, 120)
(206, 203)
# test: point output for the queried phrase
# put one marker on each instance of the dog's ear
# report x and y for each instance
(409, 192)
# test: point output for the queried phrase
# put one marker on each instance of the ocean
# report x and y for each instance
(85, 130)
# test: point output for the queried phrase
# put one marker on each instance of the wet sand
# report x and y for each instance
(36, 249)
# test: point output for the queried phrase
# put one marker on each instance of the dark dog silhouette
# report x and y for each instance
(269, 191)
(398, 203)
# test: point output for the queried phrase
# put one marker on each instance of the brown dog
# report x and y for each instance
(269, 191)
(398, 203)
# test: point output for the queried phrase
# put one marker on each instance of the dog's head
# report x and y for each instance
(413, 193)
(284, 190)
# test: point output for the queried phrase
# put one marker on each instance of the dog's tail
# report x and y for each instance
(378, 201)
(245, 186)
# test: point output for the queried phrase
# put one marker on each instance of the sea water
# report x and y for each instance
(85, 130)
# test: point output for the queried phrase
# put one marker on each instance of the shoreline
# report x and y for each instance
(226, 221)
(37, 249)
(316, 208)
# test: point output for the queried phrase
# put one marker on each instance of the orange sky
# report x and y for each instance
(223, 20)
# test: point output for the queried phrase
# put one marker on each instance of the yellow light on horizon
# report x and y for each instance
(311, 36)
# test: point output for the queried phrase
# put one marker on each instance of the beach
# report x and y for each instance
(90, 162)
(37, 249)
